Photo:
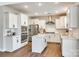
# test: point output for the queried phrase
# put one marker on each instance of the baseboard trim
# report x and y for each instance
(53, 42)
(2, 50)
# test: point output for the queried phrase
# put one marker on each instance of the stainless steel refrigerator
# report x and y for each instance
(33, 30)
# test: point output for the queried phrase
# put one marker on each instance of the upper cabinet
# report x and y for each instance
(10, 20)
(73, 17)
(61, 22)
(24, 19)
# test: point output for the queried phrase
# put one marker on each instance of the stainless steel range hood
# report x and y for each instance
(50, 22)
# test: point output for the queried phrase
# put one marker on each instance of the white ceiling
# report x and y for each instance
(49, 7)
(7, 3)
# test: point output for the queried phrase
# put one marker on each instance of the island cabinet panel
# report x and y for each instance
(39, 43)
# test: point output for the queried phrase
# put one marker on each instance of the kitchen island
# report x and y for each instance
(70, 46)
(39, 43)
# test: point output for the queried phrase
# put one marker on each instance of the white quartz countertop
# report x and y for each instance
(69, 37)
(40, 35)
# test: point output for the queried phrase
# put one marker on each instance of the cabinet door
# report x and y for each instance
(57, 38)
(47, 37)
(8, 44)
(15, 20)
(16, 42)
(61, 22)
(11, 20)
(50, 37)
(57, 23)
(73, 17)
(24, 20)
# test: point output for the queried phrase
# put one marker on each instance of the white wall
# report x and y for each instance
(1, 28)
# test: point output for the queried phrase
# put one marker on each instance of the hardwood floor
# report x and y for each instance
(52, 50)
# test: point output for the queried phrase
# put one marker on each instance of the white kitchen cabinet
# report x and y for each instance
(39, 43)
(10, 20)
(15, 23)
(73, 17)
(16, 42)
(61, 22)
(70, 47)
(24, 19)
(12, 43)
(53, 38)
(57, 38)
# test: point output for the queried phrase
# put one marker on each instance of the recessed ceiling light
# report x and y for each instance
(26, 6)
(39, 4)
(36, 13)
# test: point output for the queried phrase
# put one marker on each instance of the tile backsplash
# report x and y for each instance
(74, 33)
(63, 32)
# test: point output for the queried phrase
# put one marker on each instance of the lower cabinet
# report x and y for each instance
(70, 47)
(53, 38)
(13, 43)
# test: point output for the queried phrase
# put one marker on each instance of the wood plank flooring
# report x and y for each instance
(52, 50)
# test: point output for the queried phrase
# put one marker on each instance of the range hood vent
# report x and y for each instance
(50, 22)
